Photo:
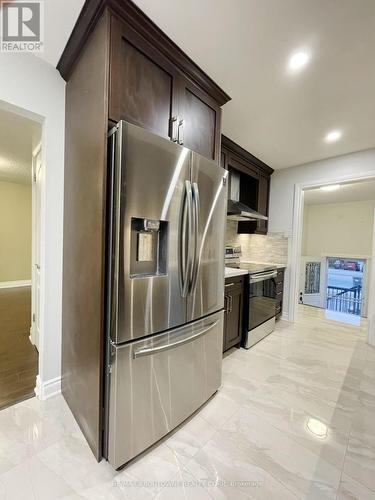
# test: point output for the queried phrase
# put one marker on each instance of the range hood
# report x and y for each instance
(239, 211)
(236, 209)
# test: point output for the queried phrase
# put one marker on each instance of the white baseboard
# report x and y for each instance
(14, 284)
(47, 389)
(285, 316)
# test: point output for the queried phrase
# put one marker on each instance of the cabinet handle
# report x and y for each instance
(228, 285)
(181, 132)
(174, 128)
(227, 304)
(230, 307)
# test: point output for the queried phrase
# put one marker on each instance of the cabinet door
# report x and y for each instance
(263, 199)
(200, 130)
(233, 316)
(143, 88)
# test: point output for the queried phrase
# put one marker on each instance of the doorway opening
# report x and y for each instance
(20, 202)
(336, 250)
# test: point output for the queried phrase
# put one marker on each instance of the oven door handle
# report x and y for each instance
(256, 278)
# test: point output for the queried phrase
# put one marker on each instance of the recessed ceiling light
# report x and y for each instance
(298, 60)
(331, 187)
(333, 136)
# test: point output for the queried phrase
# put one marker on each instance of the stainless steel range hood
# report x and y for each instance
(236, 209)
(239, 211)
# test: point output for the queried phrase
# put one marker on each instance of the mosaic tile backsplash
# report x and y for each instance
(257, 247)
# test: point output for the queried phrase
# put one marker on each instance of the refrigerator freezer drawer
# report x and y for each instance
(159, 382)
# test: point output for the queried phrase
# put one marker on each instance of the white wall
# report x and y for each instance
(330, 170)
(339, 229)
(34, 88)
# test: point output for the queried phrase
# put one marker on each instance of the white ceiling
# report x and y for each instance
(244, 45)
(358, 191)
(16, 135)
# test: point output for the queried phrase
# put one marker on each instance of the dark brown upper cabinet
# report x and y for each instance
(254, 184)
(118, 65)
(201, 121)
(143, 84)
(147, 89)
(151, 82)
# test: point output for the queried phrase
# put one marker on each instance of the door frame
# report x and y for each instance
(34, 339)
(294, 260)
(40, 121)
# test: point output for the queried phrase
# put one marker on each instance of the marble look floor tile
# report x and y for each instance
(33, 480)
(184, 486)
(327, 411)
(156, 466)
(123, 487)
(218, 410)
(239, 388)
(32, 426)
(254, 429)
(360, 462)
(230, 472)
(300, 470)
(72, 460)
(188, 440)
(363, 426)
(296, 423)
(353, 490)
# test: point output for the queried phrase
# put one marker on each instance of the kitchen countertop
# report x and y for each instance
(230, 272)
(251, 267)
(274, 265)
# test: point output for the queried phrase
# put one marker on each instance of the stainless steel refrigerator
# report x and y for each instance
(166, 288)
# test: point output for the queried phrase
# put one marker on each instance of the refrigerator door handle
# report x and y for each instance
(186, 238)
(196, 201)
(154, 350)
(113, 233)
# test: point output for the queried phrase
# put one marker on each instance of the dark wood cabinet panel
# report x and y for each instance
(254, 184)
(143, 87)
(84, 233)
(201, 121)
(263, 202)
(233, 314)
(148, 90)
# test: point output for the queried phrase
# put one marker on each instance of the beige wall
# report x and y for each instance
(338, 230)
(15, 232)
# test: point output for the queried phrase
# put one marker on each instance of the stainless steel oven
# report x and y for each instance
(261, 307)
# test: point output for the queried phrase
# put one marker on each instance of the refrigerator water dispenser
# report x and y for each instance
(148, 247)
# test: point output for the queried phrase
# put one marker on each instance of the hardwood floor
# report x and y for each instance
(18, 357)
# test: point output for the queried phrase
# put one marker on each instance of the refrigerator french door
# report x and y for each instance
(165, 288)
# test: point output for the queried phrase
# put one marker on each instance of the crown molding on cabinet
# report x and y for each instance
(240, 151)
(130, 13)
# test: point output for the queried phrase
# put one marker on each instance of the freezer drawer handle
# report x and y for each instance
(154, 350)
